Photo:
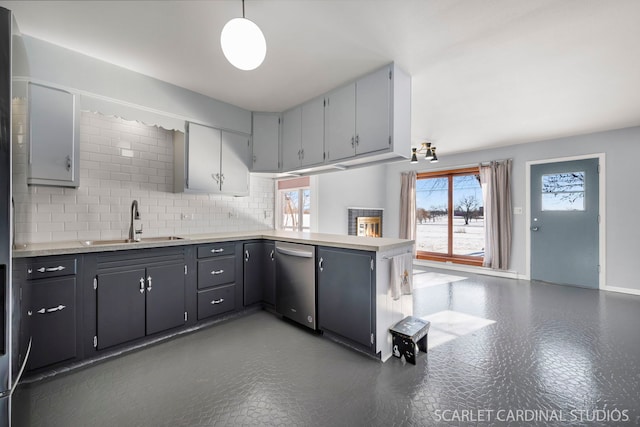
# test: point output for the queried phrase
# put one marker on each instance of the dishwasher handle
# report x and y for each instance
(292, 252)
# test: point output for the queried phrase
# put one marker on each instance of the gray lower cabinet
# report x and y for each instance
(50, 308)
(219, 281)
(259, 273)
(346, 295)
(137, 301)
(52, 315)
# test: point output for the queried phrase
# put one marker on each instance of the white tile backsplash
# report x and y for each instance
(121, 161)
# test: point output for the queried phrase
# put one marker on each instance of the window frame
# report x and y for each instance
(450, 256)
(300, 185)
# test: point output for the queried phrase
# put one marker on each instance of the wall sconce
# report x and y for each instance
(430, 153)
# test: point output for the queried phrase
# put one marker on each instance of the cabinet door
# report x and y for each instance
(165, 297)
(291, 134)
(253, 272)
(53, 321)
(345, 294)
(266, 141)
(120, 307)
(312, 118)
(236, 153)
(340, 122)
(203, 158)
(269, 274)
(373, 112)
(53, 143)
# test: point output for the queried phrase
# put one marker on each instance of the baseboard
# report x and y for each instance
(621, 290)
(469, 269)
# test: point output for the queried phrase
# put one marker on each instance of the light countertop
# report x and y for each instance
(375, 244)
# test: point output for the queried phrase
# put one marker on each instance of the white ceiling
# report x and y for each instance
(485, 73)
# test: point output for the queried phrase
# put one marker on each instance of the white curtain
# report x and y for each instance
(496, 191)
(408, 206)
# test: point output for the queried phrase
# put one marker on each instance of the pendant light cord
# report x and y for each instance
(243, 8)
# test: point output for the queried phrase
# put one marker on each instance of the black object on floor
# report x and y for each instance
(406, 334)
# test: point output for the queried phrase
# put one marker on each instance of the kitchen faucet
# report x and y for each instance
(134, 235)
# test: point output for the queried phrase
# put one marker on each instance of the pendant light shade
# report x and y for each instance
(243, 43)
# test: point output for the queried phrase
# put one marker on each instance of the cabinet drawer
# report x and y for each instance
(216, 249)
(53, 321)
(216, 271)
(216, 301)
(42, 268)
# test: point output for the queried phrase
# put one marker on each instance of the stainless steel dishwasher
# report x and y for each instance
(296, 282)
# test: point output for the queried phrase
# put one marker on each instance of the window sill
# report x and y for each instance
(460, 259)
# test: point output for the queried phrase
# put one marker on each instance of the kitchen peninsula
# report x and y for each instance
(99, 298)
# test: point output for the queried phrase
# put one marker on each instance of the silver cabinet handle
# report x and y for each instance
(149, 284)
(48, 310)
(357, 140)
(353, 142)
(320, 266)
(271, 255)
(217, 301)
(221, 178)
(216, 177)
(51, 269)
(302, 152)
(217, 251)
(68, 163)
(535, 228)
(214, 272)
(246, 255)
(142, 285)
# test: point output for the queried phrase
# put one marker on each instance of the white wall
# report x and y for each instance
(337, 191)
(121, 161)
(622, 149)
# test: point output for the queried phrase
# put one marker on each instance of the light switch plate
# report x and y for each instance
(517, 210)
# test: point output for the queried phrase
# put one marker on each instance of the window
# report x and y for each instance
(563, 191)
(450, 216)
(294, 204)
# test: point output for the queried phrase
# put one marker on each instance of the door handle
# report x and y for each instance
(271, 255)
(320, 264)
(535, 228)
(149, 287)
(246, 255)
(68, 163)
(142, 285)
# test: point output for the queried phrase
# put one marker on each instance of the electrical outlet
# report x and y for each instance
(517, 211)
(186, 216)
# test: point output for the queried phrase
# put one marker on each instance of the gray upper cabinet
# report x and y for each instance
(53, 143)
(210, 160)
(204, 150)
(303, 135)
(266, 140)
(359, 116)
(234, 171)
(312, 141)
(291, 135)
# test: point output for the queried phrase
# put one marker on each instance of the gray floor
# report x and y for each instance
(552, 350)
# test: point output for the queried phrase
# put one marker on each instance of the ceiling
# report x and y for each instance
(484, 73)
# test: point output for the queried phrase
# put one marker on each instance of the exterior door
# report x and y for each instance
(564, 222)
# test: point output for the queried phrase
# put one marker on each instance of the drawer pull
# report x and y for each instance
(51, 269)
(217, 251)
(214, 272)
(217, 301)
(50, 310)
(142, 285)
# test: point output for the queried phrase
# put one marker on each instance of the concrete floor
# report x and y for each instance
(502, 352)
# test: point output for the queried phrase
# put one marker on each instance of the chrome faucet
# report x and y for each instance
(134, 235)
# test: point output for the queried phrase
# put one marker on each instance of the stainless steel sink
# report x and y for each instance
(126, 241)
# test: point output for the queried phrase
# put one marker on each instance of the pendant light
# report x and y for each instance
(243, 43)
(428, 150)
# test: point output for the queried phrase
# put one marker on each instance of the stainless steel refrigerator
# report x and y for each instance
(9, 298)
